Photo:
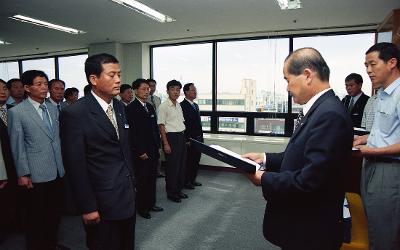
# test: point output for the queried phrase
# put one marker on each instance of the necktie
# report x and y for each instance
(145, 107)
(152, 101)
(195, 106)
(111, 117)
(59, 107)
(3, 115)
(46, 118)
(298, 121)
(351, 104)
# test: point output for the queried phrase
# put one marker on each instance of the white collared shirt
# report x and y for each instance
(36, 105)
(104, 105)
(308, 105)
(171, 116)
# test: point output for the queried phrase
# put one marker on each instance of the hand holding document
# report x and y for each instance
(227, 156)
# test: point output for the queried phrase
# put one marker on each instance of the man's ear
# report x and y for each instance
(93, 80)
(393, 63)
(26, 87)
(308, 75)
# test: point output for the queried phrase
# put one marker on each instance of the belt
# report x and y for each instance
(382, 159)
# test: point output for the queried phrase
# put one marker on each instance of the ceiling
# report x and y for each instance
(105, 21)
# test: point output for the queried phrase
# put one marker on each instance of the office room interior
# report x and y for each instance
(233, 51)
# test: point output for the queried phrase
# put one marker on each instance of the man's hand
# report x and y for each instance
(144, 157)
(3, 183)
(366, 150)
(257, 157)
(25, 181)
(360, 140)
(167, 148)
(256, 177)
(91, 218)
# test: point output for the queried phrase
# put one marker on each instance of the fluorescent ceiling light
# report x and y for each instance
(145, 10)
(34, 21)
(4, 42)
(289, 4)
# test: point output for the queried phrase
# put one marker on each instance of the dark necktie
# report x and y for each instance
(59, 107)
(194, 105)
(46, 118)
(145, 107)
(351, 104)
(298, 121)
(152, 101)
(3, 115)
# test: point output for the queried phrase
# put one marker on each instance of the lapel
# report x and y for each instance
(33, 114)
(120, 116)
(309, 113)
(100, 116)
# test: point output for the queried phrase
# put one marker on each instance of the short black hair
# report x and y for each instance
(173, 83)
(303, 58)
(356, 77)
(94, 64)
(28, 76)
(186, 87)
(136, 84)
(124, 87)
(87, 89)
(386, 52)
(52, 81)
(11, 81)
(151, 80)
(1, 80)
(69, 91)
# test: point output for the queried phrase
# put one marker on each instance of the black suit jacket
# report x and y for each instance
(98, 164)
(144, 135)
(6, 150)
(303, 185)
(358, 108)
(192, 118)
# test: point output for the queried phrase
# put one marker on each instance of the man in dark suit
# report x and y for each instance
(356, 100)
(145, 142)
(303, 185)
(193, 130)
(35, 145)
(96, 153)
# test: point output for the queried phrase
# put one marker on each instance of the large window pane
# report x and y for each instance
(46, 65)
(344, 54)
(9, 70)
(249, 76)
(72, 71)
(185, 63)
(269, 126)
(232, 124)
(206, 123)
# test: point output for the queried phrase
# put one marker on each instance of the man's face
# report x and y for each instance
(174, 92)
(57, 92)
(73, 97)
(143, 92)
(17, 90)
(377, 70)
(352, 88)
(38, 90)
(297, 86)
(4, 93)
(152, 87)
(108, 83)
(126, 96)
(191, 94)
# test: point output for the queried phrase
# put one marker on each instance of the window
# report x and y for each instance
(185, 63)
(72, 71)
(206, 123)
(232, 124)
(9, 70)
(249, 76)
(344, 54)
(46, 65)
(269, 126)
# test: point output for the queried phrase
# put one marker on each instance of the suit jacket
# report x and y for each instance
(144, 134)
(6, 150)
(3, 172)
(98, 163)
(192, 118)
(303, 185)
(62, 104)
(157, 102)
(358, 108)
(35, 150)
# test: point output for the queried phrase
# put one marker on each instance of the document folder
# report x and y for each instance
(226, 156)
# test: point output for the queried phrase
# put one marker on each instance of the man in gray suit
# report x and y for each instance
(56, 91)
(35, 145)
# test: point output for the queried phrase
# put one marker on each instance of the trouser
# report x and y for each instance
(380, 192)
(146, 174)
(111, 234)
(176, 160)
(44, 207)
(192, 164)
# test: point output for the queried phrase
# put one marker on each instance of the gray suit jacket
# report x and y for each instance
(62, 104)
(3, 172)
(35, 150)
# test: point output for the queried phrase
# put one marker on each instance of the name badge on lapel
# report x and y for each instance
(126, 125)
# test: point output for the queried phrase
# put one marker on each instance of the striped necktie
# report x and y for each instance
(3, 115)
(110, 116)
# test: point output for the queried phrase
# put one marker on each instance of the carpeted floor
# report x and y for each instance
(225, 213)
